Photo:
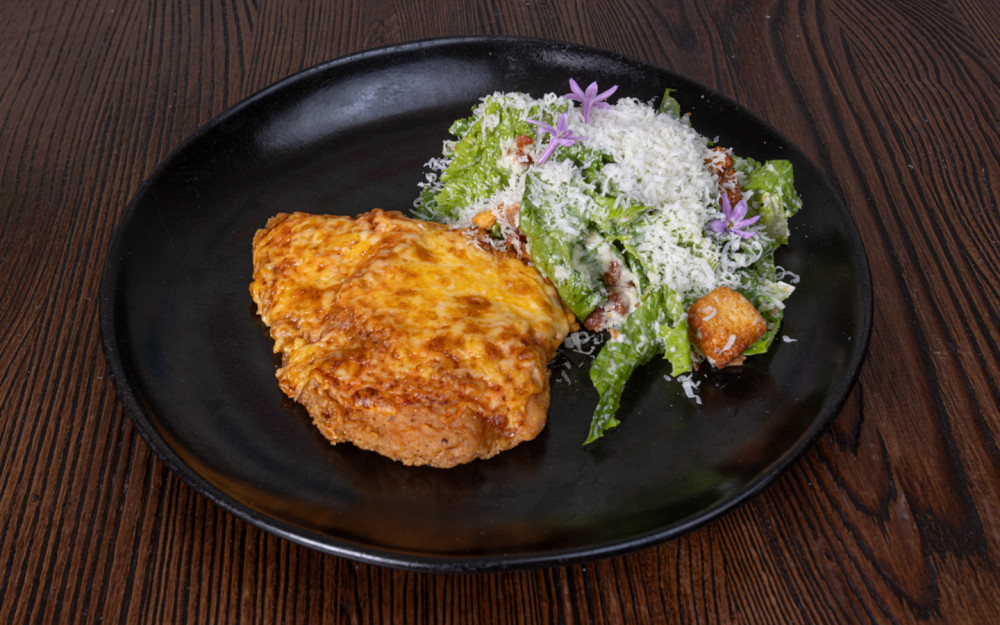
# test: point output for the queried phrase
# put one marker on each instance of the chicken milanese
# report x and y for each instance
(406, 337)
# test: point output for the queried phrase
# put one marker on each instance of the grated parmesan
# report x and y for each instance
(583, 342)
(689, 386)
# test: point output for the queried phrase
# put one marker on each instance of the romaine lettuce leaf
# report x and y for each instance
(558, 252)
(658, 318)
(611, 212)
(775, 198)
(475, 172)
(761, 345)
(669, 105)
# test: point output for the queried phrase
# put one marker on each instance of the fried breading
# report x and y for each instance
(722, 324)
(406, 337)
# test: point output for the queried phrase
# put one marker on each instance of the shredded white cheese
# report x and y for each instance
(729, 343)
(689, 386)
(583, 342)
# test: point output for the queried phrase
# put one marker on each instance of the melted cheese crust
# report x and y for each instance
(406, 337)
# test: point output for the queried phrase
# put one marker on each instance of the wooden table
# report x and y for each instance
(892, 517)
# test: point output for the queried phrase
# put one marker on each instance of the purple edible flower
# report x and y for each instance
(733, 218)
(589, 98)
(561, 135)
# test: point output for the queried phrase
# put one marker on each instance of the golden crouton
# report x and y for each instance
(484, 219)
(723, 324)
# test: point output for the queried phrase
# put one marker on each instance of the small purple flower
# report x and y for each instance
(589, 98)
(561, 135)
(733, 218)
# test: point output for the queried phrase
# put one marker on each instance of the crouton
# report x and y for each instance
(722, 324)
(484, 220)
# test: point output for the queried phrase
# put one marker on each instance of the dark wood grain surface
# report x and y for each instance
(892, 517)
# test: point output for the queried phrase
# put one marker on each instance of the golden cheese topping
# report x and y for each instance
(405, 336)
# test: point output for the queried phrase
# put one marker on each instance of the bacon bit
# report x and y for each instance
(616, 305)
(515, 241)
(614, 274)
(726, 173)
(509, 213)
(507, 216)
(520, 155)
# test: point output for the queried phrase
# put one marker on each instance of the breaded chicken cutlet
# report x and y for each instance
(406, 337)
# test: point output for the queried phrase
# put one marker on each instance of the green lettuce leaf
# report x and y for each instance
(474, 172)
(559, 251)
(657, 323)
(669, 105)
(761, 345)
(775, 198)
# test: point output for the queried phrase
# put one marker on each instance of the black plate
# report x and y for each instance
(194, 367)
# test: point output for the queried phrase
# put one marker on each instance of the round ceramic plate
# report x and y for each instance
(195, 370)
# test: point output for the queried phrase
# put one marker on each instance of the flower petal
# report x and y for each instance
(549, 149)
(544, 127)
(589, 98)
(727, 208)
(739, 211)
(606, 94)
(576, 93)
(561, 135)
